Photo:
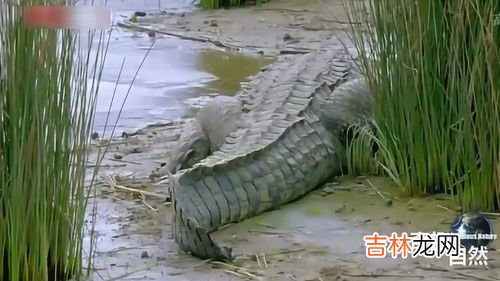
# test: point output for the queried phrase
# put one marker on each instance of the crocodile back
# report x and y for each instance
(273, 102)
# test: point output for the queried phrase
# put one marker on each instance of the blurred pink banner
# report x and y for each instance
(67, 17)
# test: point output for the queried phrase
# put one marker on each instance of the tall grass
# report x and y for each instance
(217, 4)
(434, 68)
(46, 113)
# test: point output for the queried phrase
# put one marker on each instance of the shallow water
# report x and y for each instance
(176, 74)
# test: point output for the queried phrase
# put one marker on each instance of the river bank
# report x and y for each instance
(270, 29)
(319, 237)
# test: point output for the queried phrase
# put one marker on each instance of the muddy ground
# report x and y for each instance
(278, 27)
(318, 237)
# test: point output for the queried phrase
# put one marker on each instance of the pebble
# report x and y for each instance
(388, 202)
(287, 37)
(397, 222)
(340, 209)
(140, 14)
(137, 132)
(136, 150)
(213, 23)
(117, 156)
(94, 136)
(144, 255)
(328, 190)
(151, 33)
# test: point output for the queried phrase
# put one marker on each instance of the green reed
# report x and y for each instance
(47, 97)
(434, 69)
(360, 158)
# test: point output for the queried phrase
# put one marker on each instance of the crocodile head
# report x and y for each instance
(193, 146)
(351, 103)
(199, 150)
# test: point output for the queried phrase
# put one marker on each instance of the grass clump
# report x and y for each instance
(433, 67)
(47, 97)
(360, 151)
(217, 4)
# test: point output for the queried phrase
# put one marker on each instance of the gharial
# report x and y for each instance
(280, 137)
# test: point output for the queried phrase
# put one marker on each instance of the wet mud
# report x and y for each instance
(318, 237)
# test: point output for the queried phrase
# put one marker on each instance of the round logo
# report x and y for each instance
(474, 230)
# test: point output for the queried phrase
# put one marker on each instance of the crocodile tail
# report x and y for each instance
(187, 230)
(196, 240)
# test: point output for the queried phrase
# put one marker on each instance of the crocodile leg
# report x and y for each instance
(218, 118)
(192, 146)
(205, 134)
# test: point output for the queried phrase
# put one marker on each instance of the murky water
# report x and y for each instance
(176, 74)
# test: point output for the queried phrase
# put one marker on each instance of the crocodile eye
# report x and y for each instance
(189, 160)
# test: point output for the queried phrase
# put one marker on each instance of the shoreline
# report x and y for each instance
(270, 29)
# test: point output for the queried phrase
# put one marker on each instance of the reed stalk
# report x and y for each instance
(361, 159)
(434, 69)
(47, 104)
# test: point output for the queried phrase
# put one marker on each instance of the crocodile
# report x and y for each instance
(285, 137)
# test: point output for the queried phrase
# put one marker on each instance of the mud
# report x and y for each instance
(319, 237)
(278, 27)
